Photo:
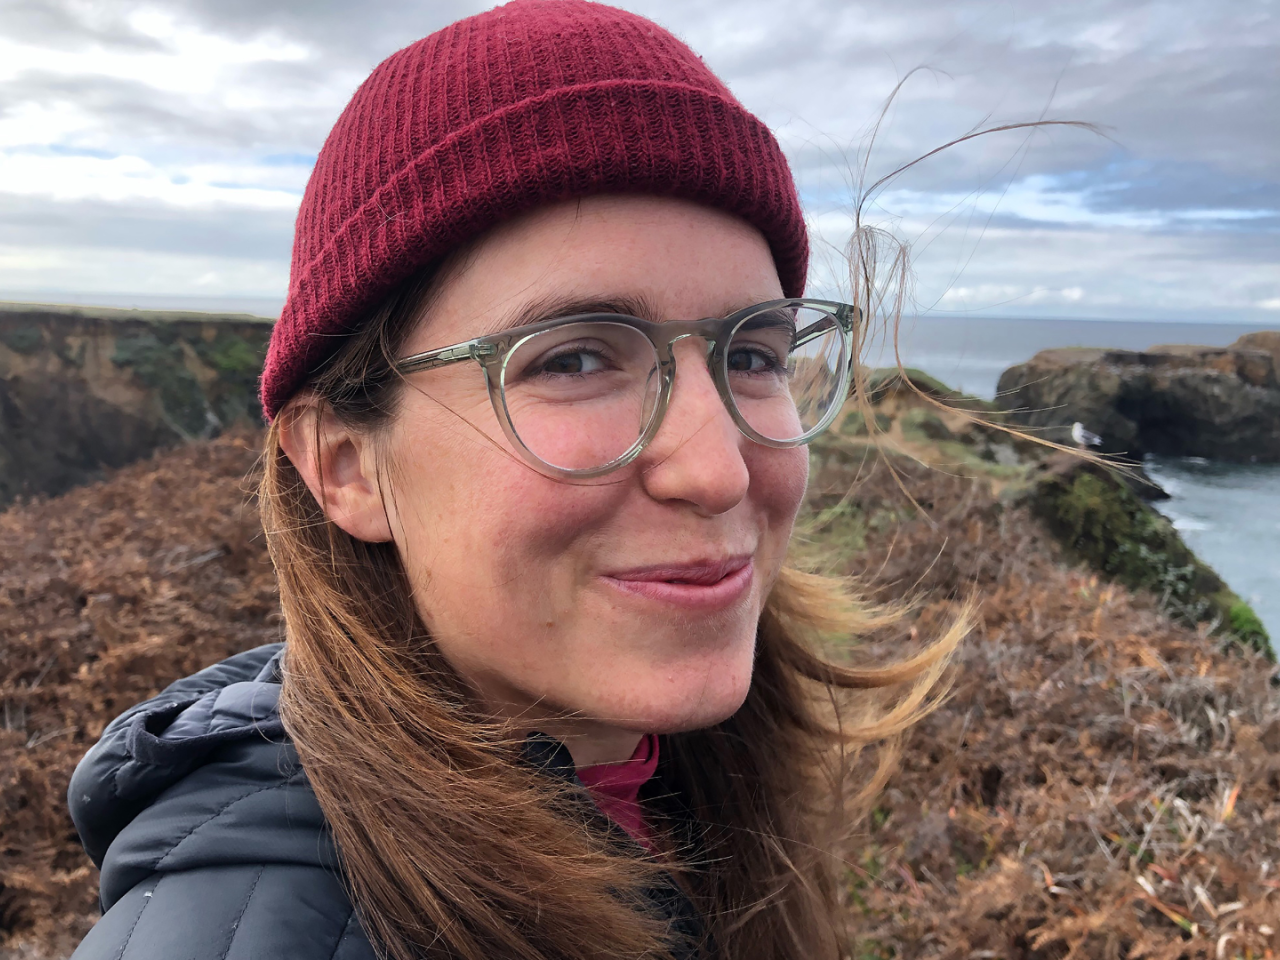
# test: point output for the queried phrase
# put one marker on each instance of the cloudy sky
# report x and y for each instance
(158, 151)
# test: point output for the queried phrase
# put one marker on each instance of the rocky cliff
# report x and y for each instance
(83, 389)
(1221, 403)
(1097, 514)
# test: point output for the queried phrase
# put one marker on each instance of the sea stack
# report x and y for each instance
(1220, 403)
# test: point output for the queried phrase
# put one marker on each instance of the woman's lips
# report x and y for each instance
(703, 584)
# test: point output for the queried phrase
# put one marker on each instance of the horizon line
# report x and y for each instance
(186, 303)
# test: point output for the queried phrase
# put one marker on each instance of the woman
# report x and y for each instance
(538, 402)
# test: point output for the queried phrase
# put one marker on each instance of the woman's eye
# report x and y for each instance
(572, 362)
(751, 360)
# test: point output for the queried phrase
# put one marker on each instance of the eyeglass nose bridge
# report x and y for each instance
(710, 336)
(714, 332)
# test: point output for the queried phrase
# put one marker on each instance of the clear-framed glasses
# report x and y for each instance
(582, 395)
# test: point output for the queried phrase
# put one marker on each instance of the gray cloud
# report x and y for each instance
(147, 227)
(62, 25)
(1174, 185)
(1187, 91)
(350, 35)
(1187, 81)
(132, 116)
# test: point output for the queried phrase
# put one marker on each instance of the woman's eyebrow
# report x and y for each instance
(552, 308)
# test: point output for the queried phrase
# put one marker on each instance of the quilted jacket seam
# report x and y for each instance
(187, 834)
(342, 934)
(244, 907)
(147, 897)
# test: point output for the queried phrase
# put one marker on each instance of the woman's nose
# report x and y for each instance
(697, 454)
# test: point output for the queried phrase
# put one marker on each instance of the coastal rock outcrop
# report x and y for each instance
(1221, 403)
(1100, 515)
(1099, 518)
(83, 389)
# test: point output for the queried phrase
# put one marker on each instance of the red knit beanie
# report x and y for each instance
(527, 104)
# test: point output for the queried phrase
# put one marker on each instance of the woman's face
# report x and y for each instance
(607, 609)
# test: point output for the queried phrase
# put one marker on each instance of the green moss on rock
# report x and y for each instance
(1246, 625)
(25, 339)
(923, 424)
(158, 363)
(854, 424)
(233, 355)
(886, 380)
(1099, 519)
(237, 358)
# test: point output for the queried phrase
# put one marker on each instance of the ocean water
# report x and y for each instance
(1228, 513)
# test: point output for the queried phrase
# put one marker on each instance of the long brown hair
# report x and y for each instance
(454, 848)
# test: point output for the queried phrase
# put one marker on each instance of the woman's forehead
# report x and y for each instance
(651, 257)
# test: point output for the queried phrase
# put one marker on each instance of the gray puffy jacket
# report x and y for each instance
(211, 842)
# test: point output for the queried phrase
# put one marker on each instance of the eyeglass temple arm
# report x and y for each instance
(430, 359)
(815, 330)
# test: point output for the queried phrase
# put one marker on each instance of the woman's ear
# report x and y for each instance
(339, 467)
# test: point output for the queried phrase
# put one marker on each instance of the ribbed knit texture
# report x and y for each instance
(527, 104)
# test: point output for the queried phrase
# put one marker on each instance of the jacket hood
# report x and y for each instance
(201, 775)
(204, 775)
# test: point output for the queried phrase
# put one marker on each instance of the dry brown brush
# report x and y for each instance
(1101, 783)
(107, 594)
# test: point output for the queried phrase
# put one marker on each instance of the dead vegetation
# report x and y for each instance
(107, 594)
(1101, 783)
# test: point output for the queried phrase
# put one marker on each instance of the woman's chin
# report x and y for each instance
(671, 707)
(690, 690)
(698, 719)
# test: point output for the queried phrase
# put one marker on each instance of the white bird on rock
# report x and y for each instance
(1083, 438)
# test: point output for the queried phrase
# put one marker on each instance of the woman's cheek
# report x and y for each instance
(781, 476)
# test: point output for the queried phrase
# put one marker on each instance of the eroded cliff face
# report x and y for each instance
(1222, 403)
(84, 389)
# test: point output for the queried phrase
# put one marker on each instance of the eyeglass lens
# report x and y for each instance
(580, 396)
(784, 369)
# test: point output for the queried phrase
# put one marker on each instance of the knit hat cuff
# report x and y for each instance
(612, 136)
